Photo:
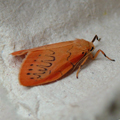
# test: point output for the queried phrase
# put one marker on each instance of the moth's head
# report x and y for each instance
(91, 46)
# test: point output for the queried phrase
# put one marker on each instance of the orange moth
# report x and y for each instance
(48, 63)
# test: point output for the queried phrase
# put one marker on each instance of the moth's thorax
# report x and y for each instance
(86, 45)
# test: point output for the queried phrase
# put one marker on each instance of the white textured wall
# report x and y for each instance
(26, 24)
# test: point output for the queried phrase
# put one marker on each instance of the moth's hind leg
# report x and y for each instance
(96, 54)
(81, 66)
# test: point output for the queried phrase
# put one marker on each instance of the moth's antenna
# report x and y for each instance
(96, 37)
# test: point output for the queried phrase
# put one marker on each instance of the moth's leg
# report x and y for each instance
(81, 66)
(96, 54)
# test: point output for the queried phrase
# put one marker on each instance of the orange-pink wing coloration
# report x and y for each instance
(50, 62)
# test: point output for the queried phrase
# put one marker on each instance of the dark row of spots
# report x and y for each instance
(42, 67)
(38, 76)
(33, 78)
(34, 73)
(30, 73)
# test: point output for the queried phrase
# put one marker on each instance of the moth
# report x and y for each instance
(49, 63)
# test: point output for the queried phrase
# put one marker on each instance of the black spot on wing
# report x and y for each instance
(30, 69)
(28, 73)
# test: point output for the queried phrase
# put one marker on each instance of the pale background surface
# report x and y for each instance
(27, 24)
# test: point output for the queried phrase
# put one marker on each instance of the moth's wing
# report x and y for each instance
(44, 66)
(24, 52)
(19, 53)
(40, 67)
(50, 46)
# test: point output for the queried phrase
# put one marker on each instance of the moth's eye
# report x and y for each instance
(92, 48)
